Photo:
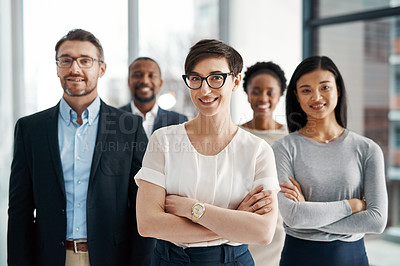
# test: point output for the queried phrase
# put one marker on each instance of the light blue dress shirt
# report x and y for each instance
(76, 143)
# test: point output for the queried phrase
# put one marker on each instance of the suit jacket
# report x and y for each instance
(164, 118)
(37, 186)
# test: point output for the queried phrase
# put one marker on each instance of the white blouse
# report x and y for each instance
(223, 180)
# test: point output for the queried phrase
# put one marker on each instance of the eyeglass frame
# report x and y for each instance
(224, 75)
(76, 59)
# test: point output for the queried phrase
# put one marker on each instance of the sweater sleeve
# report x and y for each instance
(374, 218)
(304, 215)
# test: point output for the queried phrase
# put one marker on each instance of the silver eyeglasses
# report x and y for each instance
(83, 61)
(214, 81)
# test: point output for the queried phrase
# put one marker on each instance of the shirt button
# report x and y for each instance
(79, 134)
(77, 229)
(78, 158)
(63, 211)
(79, 205)
(79, 181)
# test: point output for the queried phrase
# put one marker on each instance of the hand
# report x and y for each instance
(293, 191)
(357, 205)
(179, 206)
(256, 201)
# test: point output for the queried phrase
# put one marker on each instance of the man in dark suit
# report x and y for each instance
(72, 194)
(145, 82)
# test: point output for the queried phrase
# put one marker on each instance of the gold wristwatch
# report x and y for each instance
(198, 209)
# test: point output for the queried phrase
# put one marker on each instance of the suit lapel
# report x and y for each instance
(52, 135)
(101, 137)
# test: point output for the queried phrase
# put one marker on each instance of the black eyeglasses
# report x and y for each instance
(214, 81)
(83, 61)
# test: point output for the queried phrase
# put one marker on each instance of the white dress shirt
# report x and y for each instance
(222, 180)
(148, 119)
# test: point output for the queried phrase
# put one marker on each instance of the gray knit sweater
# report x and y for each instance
(352, 166)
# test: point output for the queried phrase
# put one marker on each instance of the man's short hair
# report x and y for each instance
(84, 36)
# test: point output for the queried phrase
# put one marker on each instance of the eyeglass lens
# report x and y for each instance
(83, 62)
(215, 81)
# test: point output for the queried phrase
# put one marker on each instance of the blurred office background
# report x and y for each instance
(361, 36)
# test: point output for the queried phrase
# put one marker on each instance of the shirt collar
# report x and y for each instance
(94, 110)
(68, 114)
(153, 112)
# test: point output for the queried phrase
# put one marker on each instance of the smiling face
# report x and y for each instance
(264, 92)
(213, 101)
(75, 81)
(318, 94)
(144, 81)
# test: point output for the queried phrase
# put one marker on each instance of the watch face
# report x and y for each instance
(197, 210)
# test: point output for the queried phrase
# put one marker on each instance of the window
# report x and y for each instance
(182, 27)
(329, 8)
(41, 33)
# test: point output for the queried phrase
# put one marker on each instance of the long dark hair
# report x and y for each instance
(295, 116)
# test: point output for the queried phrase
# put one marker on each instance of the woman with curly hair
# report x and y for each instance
(265, 83)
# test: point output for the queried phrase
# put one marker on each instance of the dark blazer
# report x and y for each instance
(164, 118)
(37, 184)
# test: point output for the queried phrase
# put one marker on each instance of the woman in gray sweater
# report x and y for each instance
(332, 179)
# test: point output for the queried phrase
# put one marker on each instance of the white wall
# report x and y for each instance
(265, 31)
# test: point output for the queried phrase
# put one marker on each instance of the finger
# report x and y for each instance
(261, 204)
(264, 210)
(286, 190)
(256, 190)
(292, 192)
(290, 196)
(295, 182)
(287, 185)
(259, 196)
(293, 187)
(253, 192)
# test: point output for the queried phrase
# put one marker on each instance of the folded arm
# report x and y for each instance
(216, 223)
(373, 219)
(153, 221)
(367, 216)
(304, 214)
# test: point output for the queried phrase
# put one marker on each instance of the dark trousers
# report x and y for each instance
(299, 252)
(167, 253)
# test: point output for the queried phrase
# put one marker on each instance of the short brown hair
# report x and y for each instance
(213, 48)
(84, 36)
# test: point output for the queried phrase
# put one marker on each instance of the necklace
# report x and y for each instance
(326, 141)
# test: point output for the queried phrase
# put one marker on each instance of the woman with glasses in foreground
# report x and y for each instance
(333, 179)
(195, 176)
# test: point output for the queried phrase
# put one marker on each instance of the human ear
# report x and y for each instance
(237, 80)
(102, 69)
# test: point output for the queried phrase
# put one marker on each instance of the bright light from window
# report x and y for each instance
(167, 100)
